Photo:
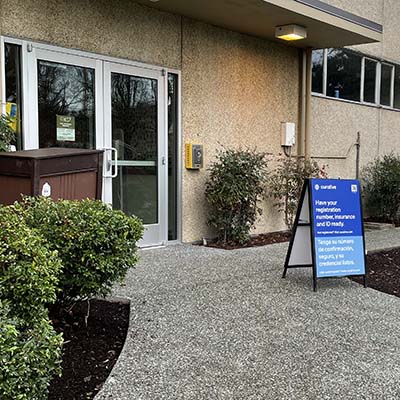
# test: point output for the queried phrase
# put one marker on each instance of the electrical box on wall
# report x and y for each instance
(288, 134)
(194, 156)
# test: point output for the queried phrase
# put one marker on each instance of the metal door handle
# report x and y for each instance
(110, 162)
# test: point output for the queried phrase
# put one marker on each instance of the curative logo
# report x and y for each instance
(316, 187)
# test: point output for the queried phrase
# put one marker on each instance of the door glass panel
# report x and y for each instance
(135, 136)
(13, 89)
(66, 105)
(172, 156)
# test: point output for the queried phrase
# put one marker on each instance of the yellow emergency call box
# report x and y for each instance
(194, 156)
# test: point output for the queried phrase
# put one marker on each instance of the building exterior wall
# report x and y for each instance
(335, 123)
(369, 9)
(118, 28)
(236, 89)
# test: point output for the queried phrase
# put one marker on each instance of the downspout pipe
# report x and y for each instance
(302, 127)
(308, 90)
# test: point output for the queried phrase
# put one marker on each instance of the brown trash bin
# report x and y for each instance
(59, 173)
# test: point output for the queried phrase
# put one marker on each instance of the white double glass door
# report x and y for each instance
(112, 106)
(136, 180)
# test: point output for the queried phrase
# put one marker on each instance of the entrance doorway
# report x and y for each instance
(135, 131)
(80, 100)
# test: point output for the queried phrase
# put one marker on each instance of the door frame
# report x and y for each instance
(155, 234)
(30, 114)
(36, 54)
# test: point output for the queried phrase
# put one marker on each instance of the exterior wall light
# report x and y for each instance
(290, 32)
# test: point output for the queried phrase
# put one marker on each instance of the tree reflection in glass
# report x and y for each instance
(344, 74)
(135, 136)
(66, 90)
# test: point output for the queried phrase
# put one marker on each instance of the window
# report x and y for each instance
(369, 85)
(12, 66)
(344, 74)
(318, 71)
(386, 84)
(66, 91)
(397, 87)
(348, 75)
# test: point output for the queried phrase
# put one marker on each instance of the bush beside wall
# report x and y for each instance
(30, 354)
(97, 245)
(53, 251)
(381, 188)
(29, 347)
(286, 182)
(233, 190)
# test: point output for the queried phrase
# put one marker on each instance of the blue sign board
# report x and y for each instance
(337, 227)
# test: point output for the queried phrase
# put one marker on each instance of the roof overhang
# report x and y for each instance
(327, 26)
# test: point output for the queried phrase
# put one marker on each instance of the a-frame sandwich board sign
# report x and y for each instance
(328, 232)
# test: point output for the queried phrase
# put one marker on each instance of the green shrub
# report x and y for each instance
(286, 181)
(233, 189)
(381, 187)
(30, 355)
(7, 135)
(29, 347)
(97, 245)
(28, 270)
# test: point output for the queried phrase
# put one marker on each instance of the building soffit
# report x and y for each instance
(327, 26)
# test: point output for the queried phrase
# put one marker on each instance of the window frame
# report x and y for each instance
(324, 74)
(394, 87)
(22, 81)
(392, 67)
(378, 81)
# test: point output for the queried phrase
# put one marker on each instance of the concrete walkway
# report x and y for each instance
(214, 324)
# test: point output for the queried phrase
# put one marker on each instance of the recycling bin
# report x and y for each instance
(59, 173)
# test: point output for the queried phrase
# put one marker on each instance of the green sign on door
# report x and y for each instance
(65, 128)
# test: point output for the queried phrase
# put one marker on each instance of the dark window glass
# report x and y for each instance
(344, 74)
(317, 71)
(66, 105)
(172, 156)
(397, 87)
(13, 89)
(386, 84)
(135, 136)
(369, 81)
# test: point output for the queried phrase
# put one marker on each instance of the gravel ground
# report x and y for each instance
(215, 324)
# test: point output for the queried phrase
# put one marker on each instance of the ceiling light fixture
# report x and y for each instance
(290, 32)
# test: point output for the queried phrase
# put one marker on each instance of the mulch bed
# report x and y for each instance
(383, 272)
(259, 240)
(89, 352)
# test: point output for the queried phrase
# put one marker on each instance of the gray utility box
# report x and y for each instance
(59, 173)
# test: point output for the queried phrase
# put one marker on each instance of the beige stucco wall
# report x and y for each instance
(369, 9)
(335, 125)
(384, 12)
(236, 89)
(119, 28)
